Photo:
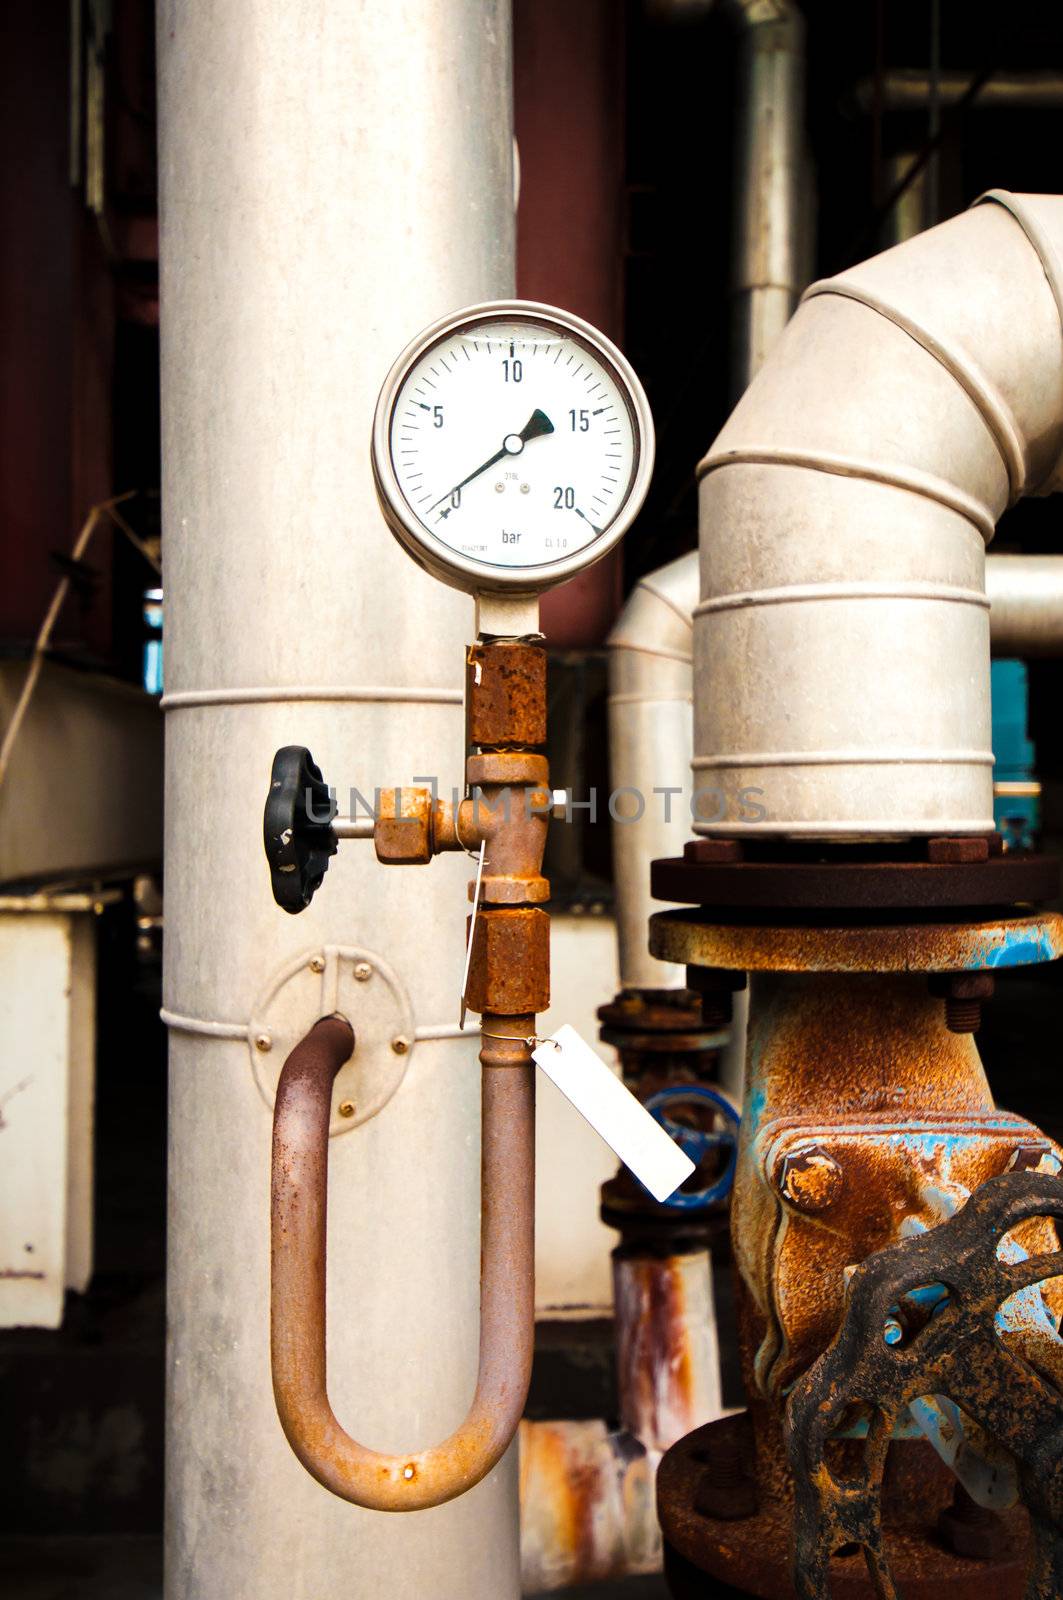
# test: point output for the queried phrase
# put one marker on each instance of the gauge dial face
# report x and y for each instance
(515, 446)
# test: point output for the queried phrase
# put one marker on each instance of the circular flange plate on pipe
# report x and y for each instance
(860, 887)
(365, 990)
(902, 947)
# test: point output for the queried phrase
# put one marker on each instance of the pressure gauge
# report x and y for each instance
(512, 447)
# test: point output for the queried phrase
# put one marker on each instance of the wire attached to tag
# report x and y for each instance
(472, 930)
(530, 1039)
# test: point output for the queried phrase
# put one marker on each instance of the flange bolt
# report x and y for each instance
(809, 1178)
(971, 1530)
(963, 994)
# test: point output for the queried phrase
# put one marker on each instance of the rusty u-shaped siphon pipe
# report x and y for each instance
(299, 1188)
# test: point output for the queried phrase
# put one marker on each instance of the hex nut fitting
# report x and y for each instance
(402, 835)
(509, 970)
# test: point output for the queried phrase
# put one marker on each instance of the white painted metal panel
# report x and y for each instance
(81, 1102)
(35, 960)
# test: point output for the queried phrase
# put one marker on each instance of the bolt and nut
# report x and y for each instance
(362, 971)
(400, 1045)
(971, 1530)
(727, 1489)
(963, 994)
(810, 1179)
(346, 1108)
(263, 1041)
(317, 963)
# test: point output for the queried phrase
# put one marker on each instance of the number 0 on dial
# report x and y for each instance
(512, 446)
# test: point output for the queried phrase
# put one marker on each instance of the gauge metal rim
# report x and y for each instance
(436, 557)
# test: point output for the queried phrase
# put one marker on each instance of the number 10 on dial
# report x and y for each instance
(512, 446)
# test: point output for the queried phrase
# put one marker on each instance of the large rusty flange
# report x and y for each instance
(751, 1553)
(696, 939)
(777, 881)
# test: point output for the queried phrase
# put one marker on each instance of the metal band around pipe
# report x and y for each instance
(686, 656)
(844, 758)
(985, 396)
(842, 591)
(650, 699)
(179, 1023)
(915, 482)
(1049, 259)
(183, 699)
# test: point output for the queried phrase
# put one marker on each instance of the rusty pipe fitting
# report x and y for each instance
(510, 811)
(428, 1477)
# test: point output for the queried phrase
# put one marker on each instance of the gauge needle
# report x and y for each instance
(512, 445)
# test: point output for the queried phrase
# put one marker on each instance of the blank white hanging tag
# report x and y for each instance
(613, 1112)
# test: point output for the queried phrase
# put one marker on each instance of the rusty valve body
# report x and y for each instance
(868, 1123)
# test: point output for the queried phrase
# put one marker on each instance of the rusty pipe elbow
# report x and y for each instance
(350, 1470)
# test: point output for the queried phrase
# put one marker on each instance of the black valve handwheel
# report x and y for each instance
(297, 828)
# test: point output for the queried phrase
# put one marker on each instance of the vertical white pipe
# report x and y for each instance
(769, 179)
(651, 733)
(334, 175)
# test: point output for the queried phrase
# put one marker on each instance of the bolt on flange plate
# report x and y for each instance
(364, 989)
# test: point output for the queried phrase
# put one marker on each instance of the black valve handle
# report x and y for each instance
(297, 828)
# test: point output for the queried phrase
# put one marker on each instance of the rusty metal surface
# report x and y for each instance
(848, 1188)
(587, 1493)
(862, 1068)
(710, 1470)
(509, 972)
(424, 1477)
(666, 1022)
(668, 1365)
(509, 810)
(587, 1510)
(784, 887)
(902, 947)
(958, 1352)
(661, 1037)
(402, 833)
(506, 694)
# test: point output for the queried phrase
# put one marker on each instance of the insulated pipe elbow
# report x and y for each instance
(841, 642)
(427, 1477)
(650, 747)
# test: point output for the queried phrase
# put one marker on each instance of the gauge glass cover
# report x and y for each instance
(518, 446)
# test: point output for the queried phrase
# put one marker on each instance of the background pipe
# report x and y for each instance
(651, 735)
(1026, 605)
(650, 646)
(768, 269)
(334, 176)
(651, 682)
(842, 638)
(416, 1479)
(910, 89)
